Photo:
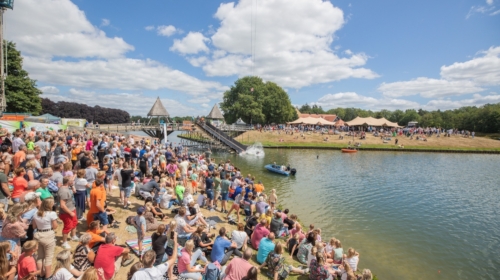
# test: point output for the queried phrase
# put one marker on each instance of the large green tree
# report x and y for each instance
(254, 101)
(21, 93)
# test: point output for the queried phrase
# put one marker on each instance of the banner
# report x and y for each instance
(11, 126)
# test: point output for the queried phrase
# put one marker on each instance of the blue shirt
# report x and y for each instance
(209, 183)
(237, 191)
(218, 249)
(265, 246)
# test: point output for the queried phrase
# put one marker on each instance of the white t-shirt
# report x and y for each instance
(45, 222)
(62, 274)
(184, 167)
(187, 199)
(81, 184)
(152, 273)
(200, 200)
(165, 200)
(239, 238)
(118, 176)
(181, 223)
(353, 262)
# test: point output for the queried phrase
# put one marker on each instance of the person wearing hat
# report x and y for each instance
(140, 224)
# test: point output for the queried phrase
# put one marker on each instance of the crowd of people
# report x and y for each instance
(66, 179)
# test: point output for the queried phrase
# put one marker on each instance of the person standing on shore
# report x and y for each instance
(127, 174)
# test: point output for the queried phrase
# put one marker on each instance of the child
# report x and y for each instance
(311, 228)
(26, 266)
(200, 200)
(293, 244)
(318, 234)
(7, 257)
(194, 182)
(273, 199)
(140, 225)
(329, 248)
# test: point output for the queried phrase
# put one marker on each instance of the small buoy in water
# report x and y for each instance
(317, 156)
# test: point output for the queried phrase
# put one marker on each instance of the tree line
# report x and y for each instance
(75, 110)
(484, 119)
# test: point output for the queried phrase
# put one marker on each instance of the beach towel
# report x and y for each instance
(132, 243)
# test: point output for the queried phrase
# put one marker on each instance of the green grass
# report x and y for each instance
(269, 144)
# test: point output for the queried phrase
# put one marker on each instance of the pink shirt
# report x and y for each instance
(237, 269)
(259, 233)
(89, 145)
(183, 261)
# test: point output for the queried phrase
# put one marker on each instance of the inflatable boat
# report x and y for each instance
(349, 151)
(278, 169)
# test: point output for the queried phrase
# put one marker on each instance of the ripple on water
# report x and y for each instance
(410, 215)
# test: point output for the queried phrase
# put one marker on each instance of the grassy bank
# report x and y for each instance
(315, 140)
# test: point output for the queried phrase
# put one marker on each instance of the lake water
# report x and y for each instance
(409, 215)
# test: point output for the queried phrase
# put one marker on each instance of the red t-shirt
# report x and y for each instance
(105, 259)
(20, 185)
(259, 233)
(25, 265)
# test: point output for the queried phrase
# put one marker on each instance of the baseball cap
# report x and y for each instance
(31, 196)
(141, 210)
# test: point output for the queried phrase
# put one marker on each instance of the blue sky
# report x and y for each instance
(366, 54)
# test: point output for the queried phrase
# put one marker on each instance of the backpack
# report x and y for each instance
(52, 186)
(212, 272)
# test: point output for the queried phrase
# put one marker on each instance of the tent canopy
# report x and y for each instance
(50, 118)
(370, 121)
(312, 121)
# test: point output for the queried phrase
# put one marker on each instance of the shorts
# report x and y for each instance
(217, 195)
(68, 221)
(102, 217)
(210, 194)
(224, 196)
(145, 195)
(127, 191)
(171, 174)
(140, 236)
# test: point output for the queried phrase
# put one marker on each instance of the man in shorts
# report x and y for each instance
(127, 174)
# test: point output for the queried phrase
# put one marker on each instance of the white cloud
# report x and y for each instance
(49, 90)
(291, 43)
(458, 78)
(428, 88)
(495, 13)
(476, 100)
(115, 100)
(46, 30)
(483, 70)
(123, 73)
(149, 27)
(166, 30)
(59, 29)
(489, 2)
(205, 105)
(480, 10)
(105, 22)
(352, 99)
(193, 43)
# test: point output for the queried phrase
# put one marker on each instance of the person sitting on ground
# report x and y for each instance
(84, 256)
(63, 269)
(292, 244)
(154, 272)
(150, 188)
(201, 240)
(275, 262)
(277, 225)
(352, 258)
(261, 205)
(222, 249)
(305, 247)
(319, 270)
(240, 237)
(238, 267)
(111, 257)
(367, 274)
(187, 261)
(97, 235)
(338, 252)
(266, 245)
(260, 232)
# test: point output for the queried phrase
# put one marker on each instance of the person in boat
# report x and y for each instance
(288, 168)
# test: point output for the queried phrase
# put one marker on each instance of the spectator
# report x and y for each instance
(111, 257)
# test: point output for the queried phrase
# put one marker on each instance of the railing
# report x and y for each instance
(133, 127)
(221, 136)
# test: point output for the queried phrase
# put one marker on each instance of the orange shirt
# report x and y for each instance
(95, 237)
(74, 153)
(18, 157)
(20, 186)
(97, 193)
(259, 188)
